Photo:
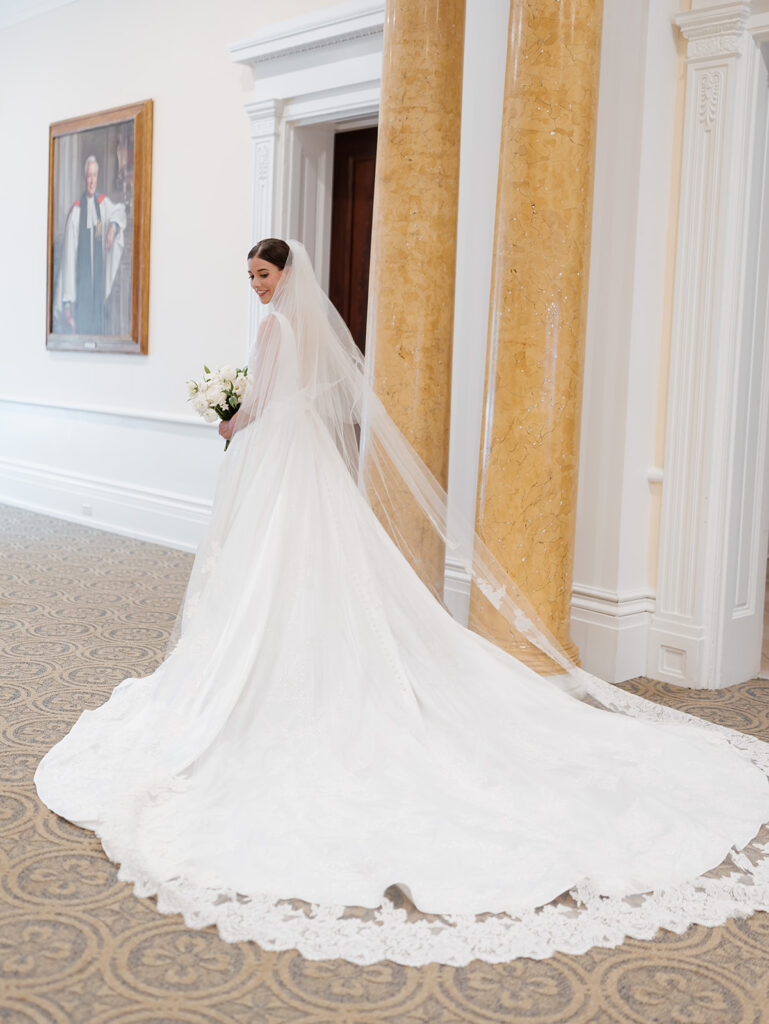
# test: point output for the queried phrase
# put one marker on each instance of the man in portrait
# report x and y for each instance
(91, 250)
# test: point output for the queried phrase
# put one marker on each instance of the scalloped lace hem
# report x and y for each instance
(573, 923)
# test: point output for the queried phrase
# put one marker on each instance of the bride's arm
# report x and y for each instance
(261, 374)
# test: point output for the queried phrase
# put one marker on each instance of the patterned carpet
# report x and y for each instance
(79, 611)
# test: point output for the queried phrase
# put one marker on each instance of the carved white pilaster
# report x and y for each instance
(265, 117)
(709, 358)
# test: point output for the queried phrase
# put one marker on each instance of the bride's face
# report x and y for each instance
(264, 277)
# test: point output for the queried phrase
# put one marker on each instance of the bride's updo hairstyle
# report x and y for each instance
(273, 250)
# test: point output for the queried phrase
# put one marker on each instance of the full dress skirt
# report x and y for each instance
(324, 730)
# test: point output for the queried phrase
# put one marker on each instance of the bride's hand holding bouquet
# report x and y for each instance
(227, 429)
(219, 396)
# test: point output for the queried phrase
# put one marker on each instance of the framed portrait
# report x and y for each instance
(99, 182)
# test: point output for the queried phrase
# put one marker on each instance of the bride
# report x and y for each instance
(323, 730)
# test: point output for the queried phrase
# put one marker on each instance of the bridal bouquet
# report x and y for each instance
(219, 394)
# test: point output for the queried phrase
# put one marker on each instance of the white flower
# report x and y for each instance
(216, 389)
(214, 393)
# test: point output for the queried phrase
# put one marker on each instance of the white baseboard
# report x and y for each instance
(161, 517)
(456, 590)
(611, 631)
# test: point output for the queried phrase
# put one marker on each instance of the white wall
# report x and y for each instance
(84, 57)
(109, 439)
(635, 195)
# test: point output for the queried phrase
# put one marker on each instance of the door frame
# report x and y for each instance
(314, 75)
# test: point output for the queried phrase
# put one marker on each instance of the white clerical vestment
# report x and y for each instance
(111, 213)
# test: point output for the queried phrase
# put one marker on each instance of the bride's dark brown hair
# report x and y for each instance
(273, 250)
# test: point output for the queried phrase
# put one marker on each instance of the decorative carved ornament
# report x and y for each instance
(715, 46)
(709, 98)
(263, 153)
(715, 31)
(265, 117)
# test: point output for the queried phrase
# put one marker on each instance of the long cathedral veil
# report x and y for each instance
(304, 354)
(320, 714)
(305, 363)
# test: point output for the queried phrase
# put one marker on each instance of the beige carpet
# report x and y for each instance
(79, 611)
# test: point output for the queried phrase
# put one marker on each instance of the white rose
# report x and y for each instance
(213, 392)
(210, 416)
(199, 404)
(192, 387)
(227, 373)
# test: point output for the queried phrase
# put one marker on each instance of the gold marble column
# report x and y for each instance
(415, 220)
(413, 254)
(528, 466)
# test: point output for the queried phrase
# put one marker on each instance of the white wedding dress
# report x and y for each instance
(324, 730)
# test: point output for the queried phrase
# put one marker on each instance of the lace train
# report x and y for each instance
(575, 923)
(324, 730)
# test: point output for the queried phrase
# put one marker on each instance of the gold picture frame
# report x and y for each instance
(99, 201)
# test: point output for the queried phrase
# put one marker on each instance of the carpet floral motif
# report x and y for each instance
(80, 610)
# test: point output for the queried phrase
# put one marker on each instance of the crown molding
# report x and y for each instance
(336, 28)
(13, 12)
(708, 21)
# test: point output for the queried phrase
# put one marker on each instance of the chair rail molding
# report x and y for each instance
(314, 75)
(143, 473)
(107, 410)
(706, 627)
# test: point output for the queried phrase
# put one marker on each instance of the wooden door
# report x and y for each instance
(352, 211)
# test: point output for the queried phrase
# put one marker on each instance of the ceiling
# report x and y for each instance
(14, 11)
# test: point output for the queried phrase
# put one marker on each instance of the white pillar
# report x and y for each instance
(485, 56)
(706, 629)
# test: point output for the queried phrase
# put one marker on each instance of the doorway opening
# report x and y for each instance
(352, 213)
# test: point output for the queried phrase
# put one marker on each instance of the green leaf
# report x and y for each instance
(206, 368)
